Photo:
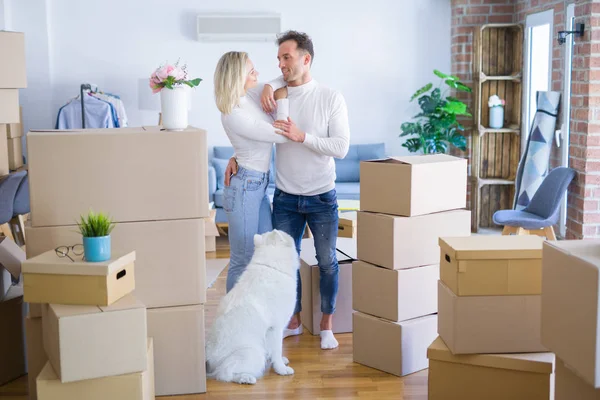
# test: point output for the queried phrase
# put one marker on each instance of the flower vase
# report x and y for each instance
(174, 105)
(496, 117)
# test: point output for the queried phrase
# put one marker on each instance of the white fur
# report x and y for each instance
(247, 333)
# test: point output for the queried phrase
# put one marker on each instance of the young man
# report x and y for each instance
(318, 131)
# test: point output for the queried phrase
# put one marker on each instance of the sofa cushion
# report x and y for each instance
(372, 151)
(223, 152)
(348, 190)
(347, 170)
(218, 198)
(220, 165)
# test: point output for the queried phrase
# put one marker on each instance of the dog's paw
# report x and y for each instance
(285, 361)
(283, 370)
(244, 379)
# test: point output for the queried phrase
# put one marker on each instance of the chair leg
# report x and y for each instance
(549, 233)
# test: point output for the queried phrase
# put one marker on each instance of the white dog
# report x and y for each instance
(247, 333)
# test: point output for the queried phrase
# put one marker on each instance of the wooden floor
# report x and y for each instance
(318, 374)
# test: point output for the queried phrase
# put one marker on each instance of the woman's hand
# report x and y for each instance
(267, 100)
(290, 130)
(281, 93)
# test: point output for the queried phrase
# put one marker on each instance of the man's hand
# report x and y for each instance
(231, 169)
(290, 130)
(281, 93)
(267, 100)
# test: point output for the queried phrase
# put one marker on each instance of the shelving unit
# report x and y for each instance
(497, 69)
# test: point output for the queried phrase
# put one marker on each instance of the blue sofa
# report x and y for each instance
(347, 184)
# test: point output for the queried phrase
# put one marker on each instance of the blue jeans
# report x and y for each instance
(248, 212)
(291, 213)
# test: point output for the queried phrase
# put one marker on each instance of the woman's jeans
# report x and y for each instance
(248, 210)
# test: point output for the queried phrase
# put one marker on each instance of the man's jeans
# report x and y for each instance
(248, 210)
(291, 213)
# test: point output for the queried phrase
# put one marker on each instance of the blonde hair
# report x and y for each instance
(230, 77)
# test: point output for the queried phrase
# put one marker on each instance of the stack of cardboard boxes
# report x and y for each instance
(489, 308)
(153, 184)
(571, 316)
(406, 204)
(94, 336)
(12, 78)
(13, 310)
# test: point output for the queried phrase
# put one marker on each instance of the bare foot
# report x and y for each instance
(294, 322)
(327, 322)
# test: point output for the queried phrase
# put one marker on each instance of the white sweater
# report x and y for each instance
(251, 132)
(308, 168)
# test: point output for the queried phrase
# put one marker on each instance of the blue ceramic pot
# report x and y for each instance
(96, 249)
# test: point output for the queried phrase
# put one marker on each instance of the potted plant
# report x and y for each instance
(496, 106)
(95, 229)
(172, 82)
(436, 126)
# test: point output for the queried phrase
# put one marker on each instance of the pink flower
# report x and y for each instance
(163, 72)
(177, 73)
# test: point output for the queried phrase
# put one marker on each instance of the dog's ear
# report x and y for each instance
(285, 238)
(258, 240)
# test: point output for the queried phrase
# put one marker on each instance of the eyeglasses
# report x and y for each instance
(63, 251)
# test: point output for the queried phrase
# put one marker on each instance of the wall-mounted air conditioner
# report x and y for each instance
(228, 27)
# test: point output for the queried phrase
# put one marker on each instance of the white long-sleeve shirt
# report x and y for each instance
(308, 168)
(251, 132)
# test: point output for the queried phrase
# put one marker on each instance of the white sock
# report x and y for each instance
(328, 341)
(292, 332)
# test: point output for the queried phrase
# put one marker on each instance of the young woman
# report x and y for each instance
(251, 133)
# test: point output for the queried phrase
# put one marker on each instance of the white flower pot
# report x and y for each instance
(496, 117)
(174, 104)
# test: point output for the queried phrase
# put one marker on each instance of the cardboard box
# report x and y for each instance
(49, 278)
(13, 130)
(422, 184)
(179, 355)
(211, 232)
(570, 311)
(311, 295)
(9, 106)
(170, 265)
(489, 324)
(13, 73)
(131, 173)
(399, 242)
(36, 356)
(398, 348)
(489, 376)
(11, 256)
(488, 265)
(396, 295)
(5, 282)
(134, 386)
(87, 342)
(15, 153)
(570, 386)
(347, 224)
(35, 310)
(12, 336)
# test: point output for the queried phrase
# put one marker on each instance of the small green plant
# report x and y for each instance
(436, 125)
(95, 225)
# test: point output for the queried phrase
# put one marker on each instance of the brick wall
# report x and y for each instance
(584, 195)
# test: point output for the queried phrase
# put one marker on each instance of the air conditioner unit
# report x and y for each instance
(229, 27)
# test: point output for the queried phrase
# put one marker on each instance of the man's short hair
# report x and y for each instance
(303, 41)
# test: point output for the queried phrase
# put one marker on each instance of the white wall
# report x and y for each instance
(375, 52)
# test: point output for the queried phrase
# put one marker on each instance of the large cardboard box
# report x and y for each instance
(9, 106)
(347, 224)
(399, 242)
(489, 376)
(11, 256)
(179, 355)
(211, 232)
(36, 356)
(396, 295)
(131, 173)
(170, 265)
(49, 278)
(134, 386)
(5, 282)
(569, 386)
(398, 348)
(4, 170)
(413, 185)
(87, 342)
(570, 305)
(13, 130)
(489, 324)
(487, 265)
(12, 335)
(13, 74)
(311, 295)
(15, 153)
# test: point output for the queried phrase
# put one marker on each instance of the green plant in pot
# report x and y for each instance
(95, 229)
(436, 126)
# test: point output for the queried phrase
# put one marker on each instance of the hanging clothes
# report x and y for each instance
(119, 108)
(98, 114)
